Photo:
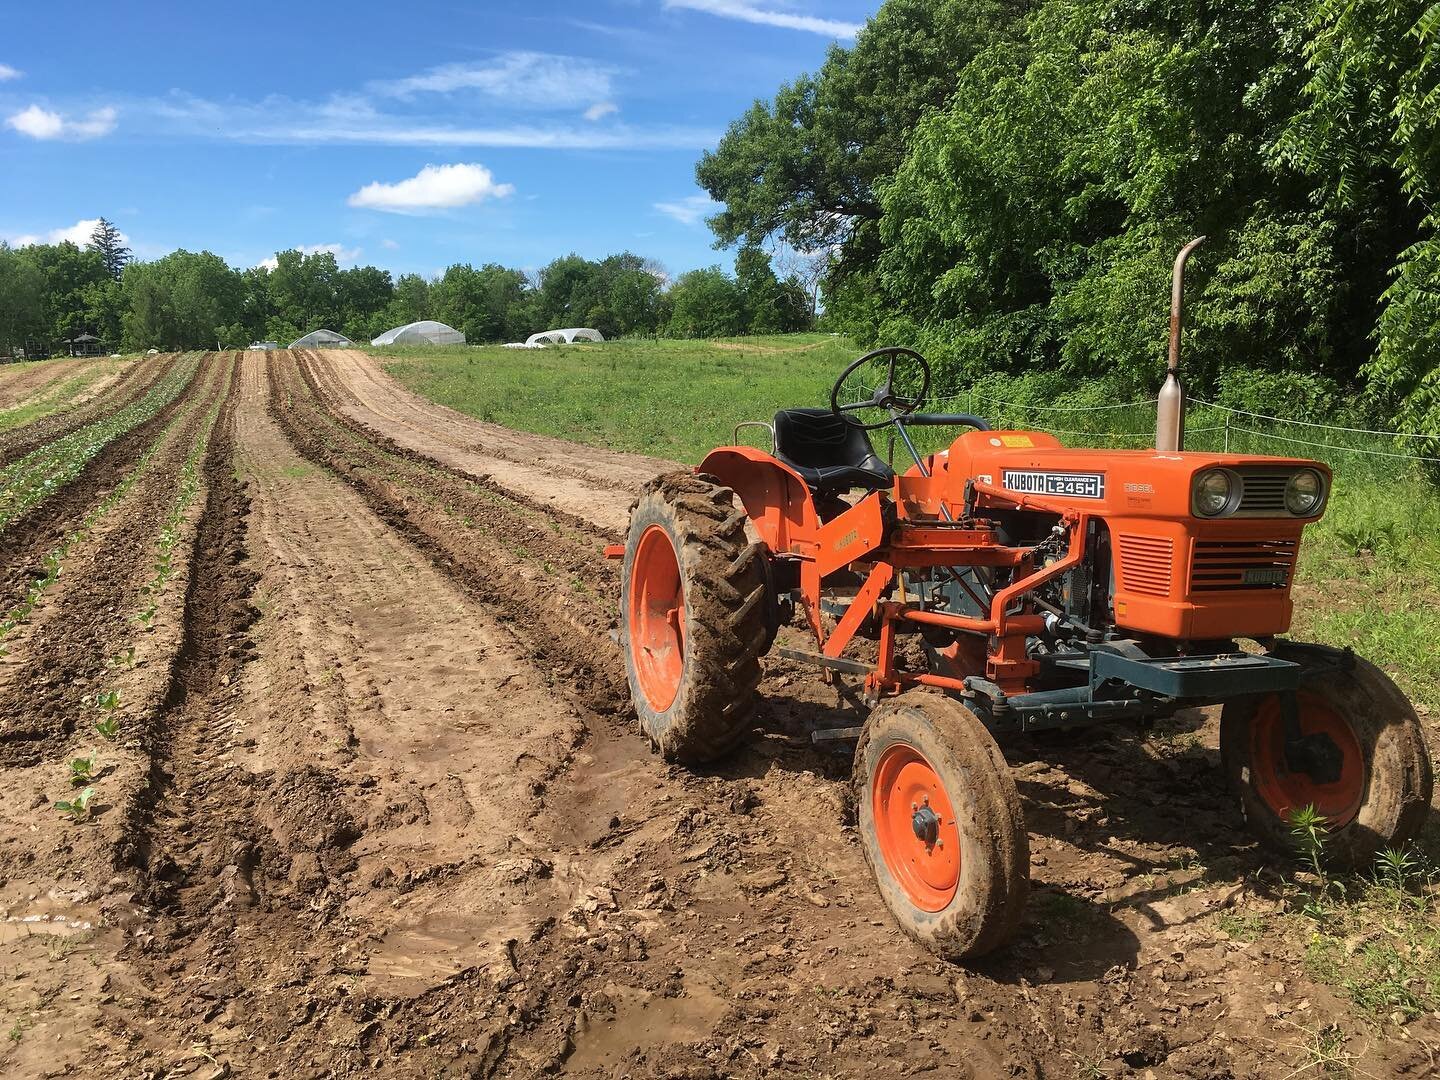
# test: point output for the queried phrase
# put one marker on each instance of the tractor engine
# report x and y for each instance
(1187, 547)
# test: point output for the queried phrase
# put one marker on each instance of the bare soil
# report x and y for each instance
(378, 808)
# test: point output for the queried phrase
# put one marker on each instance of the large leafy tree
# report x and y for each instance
(187, 300)
(808, 166)
(706, 303)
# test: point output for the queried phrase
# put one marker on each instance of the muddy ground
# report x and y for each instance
(375, 805)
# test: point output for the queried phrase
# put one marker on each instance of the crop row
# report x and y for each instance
(84, 772)
(45, 471)
(53, 562)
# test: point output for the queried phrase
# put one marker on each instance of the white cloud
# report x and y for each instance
(40, 123)
(78, 234)
(278, 121)
(600, 110)
(534, 79)
(389, 245)
(342, 254)
(435, 187)
(689, 210)
(7, 73)
(739, 9)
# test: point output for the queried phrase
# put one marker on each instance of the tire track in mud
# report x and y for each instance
(46, 699)
(133, 384)
(26, 542)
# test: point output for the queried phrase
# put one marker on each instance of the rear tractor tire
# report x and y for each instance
(941, 825)
(1372, 781)
(695, 617)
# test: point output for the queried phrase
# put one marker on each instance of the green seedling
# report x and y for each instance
(108, 700)
(108, 727)
(124, 659)
(82, 770)
(79, 807)
(147, 616)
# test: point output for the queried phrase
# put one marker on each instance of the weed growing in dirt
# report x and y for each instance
(108, 728)
(77, 808)
(1377, 940)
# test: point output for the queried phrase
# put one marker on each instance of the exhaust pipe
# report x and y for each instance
(1170, 410)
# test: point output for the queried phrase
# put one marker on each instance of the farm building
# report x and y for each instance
(321, 339)
(425, 332)
(564, 337)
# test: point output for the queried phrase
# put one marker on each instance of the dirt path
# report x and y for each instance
(592, 483)
(381, 812)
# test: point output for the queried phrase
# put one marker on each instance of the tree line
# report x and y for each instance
(51, 293)
(1005, 184)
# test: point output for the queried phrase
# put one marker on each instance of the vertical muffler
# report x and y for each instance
(1170, 410)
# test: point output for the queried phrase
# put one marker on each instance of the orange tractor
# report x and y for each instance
(1046, 587)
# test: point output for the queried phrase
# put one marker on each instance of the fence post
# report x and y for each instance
(1227, 433)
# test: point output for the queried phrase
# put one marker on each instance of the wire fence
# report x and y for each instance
(1209, 426)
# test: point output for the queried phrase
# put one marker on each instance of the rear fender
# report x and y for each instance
(773, 494)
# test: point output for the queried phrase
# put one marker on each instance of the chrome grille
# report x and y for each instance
(1231, 565)
(1146, 564)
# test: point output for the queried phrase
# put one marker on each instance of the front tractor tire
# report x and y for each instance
(694, 617)
(1364, 766)
(941, 825)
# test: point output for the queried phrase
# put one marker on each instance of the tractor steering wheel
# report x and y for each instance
(884, 395)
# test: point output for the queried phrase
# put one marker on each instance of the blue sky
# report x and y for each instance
(409, 136)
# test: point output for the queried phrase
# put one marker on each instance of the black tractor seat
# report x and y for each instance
(829, 454)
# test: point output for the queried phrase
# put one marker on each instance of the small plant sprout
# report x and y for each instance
(108, 727)
(79, 807)
(147, 616)
(107, 701)
(82, 769)
(1307, 828)
(124, 659)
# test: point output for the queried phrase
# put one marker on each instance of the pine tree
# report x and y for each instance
(106, 239)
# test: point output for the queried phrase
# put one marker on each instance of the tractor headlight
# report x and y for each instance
(1214, 489)
(1304, 493)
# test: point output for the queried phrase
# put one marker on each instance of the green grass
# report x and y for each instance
(672, 399)
(1370, 570)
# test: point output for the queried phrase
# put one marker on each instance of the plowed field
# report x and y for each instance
(373, 804)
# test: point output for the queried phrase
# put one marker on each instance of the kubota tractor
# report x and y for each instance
(1049, 587)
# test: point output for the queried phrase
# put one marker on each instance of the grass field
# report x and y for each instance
(1370, 571)
(673, 399)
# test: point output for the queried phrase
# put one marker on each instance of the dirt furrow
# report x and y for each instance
(548, 576)
(132, 384)
(50, 682)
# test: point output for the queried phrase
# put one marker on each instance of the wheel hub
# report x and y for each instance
(926, 825)
(915, 827)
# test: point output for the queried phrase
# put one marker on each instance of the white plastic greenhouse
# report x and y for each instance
(564, 337)
(425, 332)
(321, 339)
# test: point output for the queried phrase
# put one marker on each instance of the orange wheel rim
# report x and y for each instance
(915, 827)
(657, 618)
(1285, 791)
